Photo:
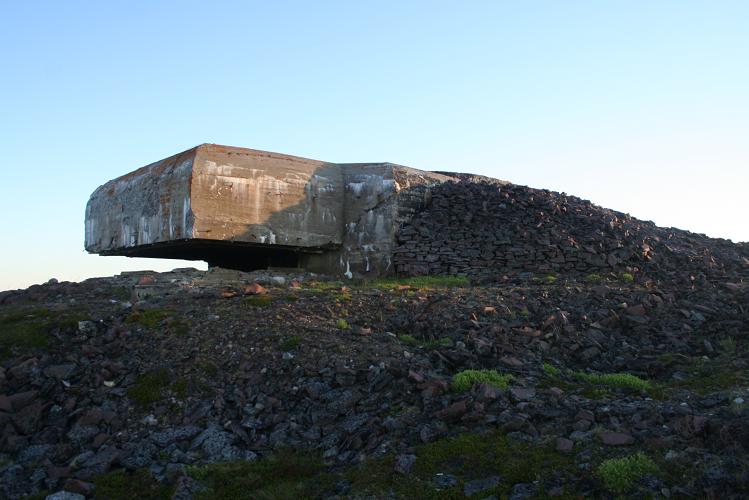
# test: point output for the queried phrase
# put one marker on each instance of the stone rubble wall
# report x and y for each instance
(487, 229)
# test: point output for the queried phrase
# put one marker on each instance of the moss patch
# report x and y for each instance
(122, 485)
(466, 457)
(149, 387)
(619, 474)
(466, 379)
(285, 474)
(417, 282)
(259, 300)
(25, 330)
(149, 318)
(290, 343)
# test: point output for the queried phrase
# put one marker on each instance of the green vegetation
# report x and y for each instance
(429, 344)
(122, 485)
(551, 370)
(628, 277)
(614, 380)
(551, 278)
(706, 376)
(524, 313)
(466, 457)
(593, 278)
(342, 296)
(342, 324)
(149, 318)
(259, 300)
(408, 339)
(24, 330)
(418, 282)
(149, 387)
(290, 343)
(465, 380)
(325, 285)
(284, 475)
(179, 326)
(179, 388)
(619, 474)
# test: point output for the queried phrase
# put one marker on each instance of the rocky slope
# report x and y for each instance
(222, 384)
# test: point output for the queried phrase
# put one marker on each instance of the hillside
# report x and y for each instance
(582, 354)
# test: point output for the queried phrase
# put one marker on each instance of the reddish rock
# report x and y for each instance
(146, 280)
(78, 486)
(433, 388)
(23, 399)
(616, 439)
(453, 412)
(564, 445)
(5, 404)
(255, 289)
(637, 310)
(523, 393)
(692, 425)
(415, 377)
(29, 419)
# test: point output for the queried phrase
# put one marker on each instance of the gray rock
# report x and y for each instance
(138, 455)
(65, 495)
(216, 444)
(169, 436)
(478, 485)
(404, 463)
(33, 453)
(60, 372)
(442, 481)
(521, 491)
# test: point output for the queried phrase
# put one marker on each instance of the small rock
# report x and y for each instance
(564, 445)
(65, 495)
(453, 412)
(87, 327)
(521, 491)
(404, 463)
(523, 393)
(78, 486)
(60, 371)
(478, 485)
(442, 481)
(255, 289)
(616, 439)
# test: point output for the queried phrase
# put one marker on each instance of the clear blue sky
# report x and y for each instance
(640, 106)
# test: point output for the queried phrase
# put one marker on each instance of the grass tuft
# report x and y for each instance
(466, 379)
(258, 300)
(418, 282)
(619, 474)
(615, 380)
(290, 343)
(342, 324)
(149, 318)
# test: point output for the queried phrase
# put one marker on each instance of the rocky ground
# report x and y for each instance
(222, 384)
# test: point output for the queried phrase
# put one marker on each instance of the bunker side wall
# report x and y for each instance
(147, 206)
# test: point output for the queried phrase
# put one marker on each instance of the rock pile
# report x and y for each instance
(485, 230)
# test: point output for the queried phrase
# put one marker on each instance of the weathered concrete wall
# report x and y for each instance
(377, 198)
(150, 205)
(244, 195)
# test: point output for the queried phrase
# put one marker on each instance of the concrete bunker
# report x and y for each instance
(248, 209)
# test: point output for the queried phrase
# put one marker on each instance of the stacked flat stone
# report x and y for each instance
(485, 230)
